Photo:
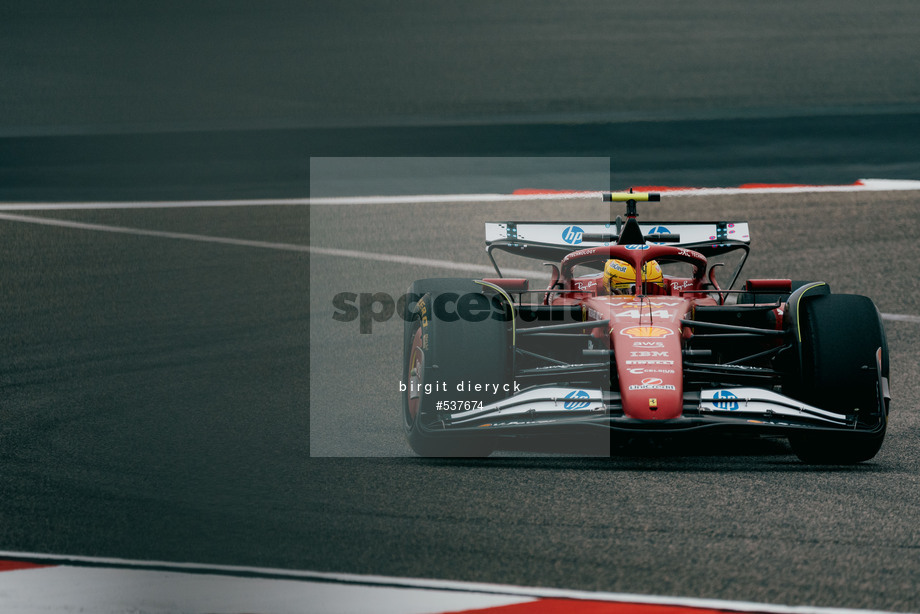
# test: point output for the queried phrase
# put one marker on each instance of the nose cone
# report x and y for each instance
(649, 368)
(645, 336)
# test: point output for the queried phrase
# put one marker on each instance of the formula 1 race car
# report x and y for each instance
(664, 352)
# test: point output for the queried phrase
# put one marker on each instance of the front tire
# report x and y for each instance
(841, 335)
(443, 350)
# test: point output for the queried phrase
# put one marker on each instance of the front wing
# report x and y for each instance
(547, 408)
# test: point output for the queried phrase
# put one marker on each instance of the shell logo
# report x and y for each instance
(645, 332)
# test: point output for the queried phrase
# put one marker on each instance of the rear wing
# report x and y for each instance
(554, 240)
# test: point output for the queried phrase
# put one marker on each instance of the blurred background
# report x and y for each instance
(229, 99)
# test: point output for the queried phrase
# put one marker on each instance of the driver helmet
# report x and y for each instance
(619, 274)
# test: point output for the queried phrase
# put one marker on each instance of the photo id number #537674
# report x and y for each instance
(457, 405)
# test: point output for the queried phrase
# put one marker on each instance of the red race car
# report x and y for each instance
(663, 352)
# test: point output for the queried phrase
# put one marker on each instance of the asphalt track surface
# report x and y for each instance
(162, 396)
(157, 393)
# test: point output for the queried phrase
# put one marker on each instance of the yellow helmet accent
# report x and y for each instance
(620, 274)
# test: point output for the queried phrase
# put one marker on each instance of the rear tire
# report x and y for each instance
(443, 350)
(841, 334)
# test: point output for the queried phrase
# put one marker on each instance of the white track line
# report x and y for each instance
(451, 198)
(862, 185)
(465, 267)
(153, 233)
(346, 200)
(179, 204)
(67, 589)
(291, 247)
(427, 584)
(898, 317)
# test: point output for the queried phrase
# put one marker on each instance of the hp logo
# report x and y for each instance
(572, 235)
(729, 400)
(577, 404)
